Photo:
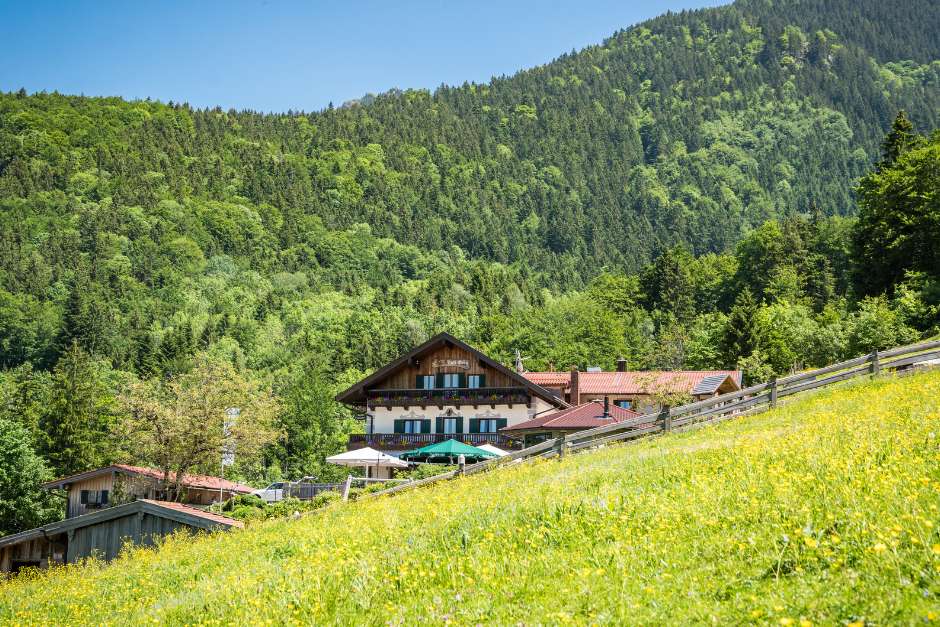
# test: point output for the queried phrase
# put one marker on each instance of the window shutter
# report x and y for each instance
(419, 382)
(482, 380)
(426, 426)
(461, 380)
(474, 425)
(104, 497)
(439, 425)
(83, 499)
(439, 380)
(500, 423)
(459, 424)
(399, 426)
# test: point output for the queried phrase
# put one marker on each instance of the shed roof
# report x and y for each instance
(202, 482)
(584, 416)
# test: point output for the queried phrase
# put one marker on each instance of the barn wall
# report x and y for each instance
(106, 538)
(39, 550)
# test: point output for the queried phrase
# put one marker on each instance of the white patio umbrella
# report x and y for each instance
(493, 449)
(367, 457)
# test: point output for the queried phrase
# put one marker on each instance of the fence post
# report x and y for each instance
(346, 487)
(560, 446)
(875, 367)
(666, 418)
(773, 391)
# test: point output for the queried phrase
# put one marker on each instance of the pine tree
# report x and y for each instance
(740, 337)
(77, 421)
(901, 138)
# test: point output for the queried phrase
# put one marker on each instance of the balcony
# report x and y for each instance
(409, 441)
(448, 396)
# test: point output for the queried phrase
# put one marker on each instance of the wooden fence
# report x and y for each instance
(751, 400)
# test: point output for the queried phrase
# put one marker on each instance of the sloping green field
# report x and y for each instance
(823, 512)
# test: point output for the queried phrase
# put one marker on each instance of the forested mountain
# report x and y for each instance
(678, 194)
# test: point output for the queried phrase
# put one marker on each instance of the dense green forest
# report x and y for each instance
(683, 194)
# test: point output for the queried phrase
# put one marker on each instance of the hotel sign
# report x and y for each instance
(451, 363)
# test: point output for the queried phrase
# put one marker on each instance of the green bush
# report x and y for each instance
(424, 471)
(325, 498)
(247, 500)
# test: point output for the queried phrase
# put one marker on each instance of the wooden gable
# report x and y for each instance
(441, 360)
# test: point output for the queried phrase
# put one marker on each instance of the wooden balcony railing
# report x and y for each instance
(408, 441)
(450, 396)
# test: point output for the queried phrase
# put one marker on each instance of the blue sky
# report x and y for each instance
(271, 55)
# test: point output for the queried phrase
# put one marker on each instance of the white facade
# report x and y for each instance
(383, 419)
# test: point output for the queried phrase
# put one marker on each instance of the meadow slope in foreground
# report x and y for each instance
(821, 512)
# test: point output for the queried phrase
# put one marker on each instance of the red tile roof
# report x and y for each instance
(205, 482)
(584, 416)
(549, 379)
(633, 382)
(199, 513)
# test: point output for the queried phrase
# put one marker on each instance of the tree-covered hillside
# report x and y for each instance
(692, 127)
(680, 194)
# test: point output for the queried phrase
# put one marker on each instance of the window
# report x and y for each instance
(426, 382)
(412, 426)
(475, 381)
(488, 425)
(94, 498)
(450, 425)
(451, 380)
(624, 404)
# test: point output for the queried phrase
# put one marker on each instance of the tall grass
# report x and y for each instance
(821, 512)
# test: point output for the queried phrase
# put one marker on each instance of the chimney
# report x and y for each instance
(575, 385)
(606, 407)
(621, 365)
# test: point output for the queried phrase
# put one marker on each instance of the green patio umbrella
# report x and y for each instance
(449, 449)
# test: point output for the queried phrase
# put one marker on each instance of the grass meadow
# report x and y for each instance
(822, 512)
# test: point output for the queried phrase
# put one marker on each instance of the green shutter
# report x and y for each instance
(83, 498)
(419, 382)
(474, 425)
(439, 380)
(399, 426)
(460, 424)
(439, 425)
(461, 380)
(425, 426)
(482, 380)
(104, 497)
(500, 423)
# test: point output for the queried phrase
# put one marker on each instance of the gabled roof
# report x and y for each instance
(211, 518)
(203, 482)
(640, 381)
(355, 394)
(184, 514)
(583, 416)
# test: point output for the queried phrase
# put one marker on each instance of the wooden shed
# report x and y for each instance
(104, 532)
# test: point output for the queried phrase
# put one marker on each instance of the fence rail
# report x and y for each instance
(750, 400)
